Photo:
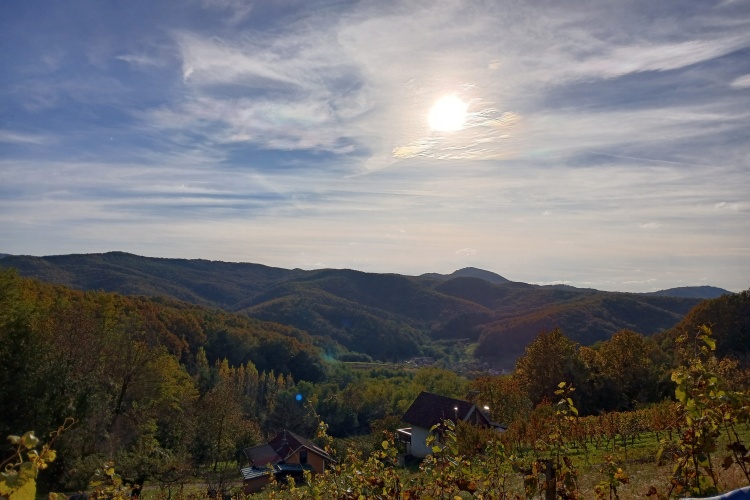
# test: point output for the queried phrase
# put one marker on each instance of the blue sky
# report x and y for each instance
(606, 143)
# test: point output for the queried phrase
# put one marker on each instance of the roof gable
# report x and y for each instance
(262, 455)
(477, 416)
(430, 409)
(282, 446)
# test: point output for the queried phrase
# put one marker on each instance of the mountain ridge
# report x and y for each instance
(385, 316)
(698, 291)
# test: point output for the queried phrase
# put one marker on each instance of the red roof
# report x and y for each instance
(281, 447)
(262, 455)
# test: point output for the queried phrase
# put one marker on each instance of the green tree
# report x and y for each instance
(550, 358)
(440, 381)
(504, 395)
(629, 362)
(222, 430)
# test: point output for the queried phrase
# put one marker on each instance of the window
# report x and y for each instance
(303, 456)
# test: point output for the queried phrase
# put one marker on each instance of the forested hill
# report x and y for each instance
(385, 316)
(469, 272)
(204, 282)
(728, 317)
(97, 350)
(696, 292)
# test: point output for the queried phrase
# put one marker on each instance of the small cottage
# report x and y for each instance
(286, 455)
(430, 409)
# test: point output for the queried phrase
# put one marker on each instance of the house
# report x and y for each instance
(286, 455)
(430, 409)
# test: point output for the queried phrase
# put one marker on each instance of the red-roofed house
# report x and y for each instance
(287, 454)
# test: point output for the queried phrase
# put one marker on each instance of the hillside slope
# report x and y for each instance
(387, 316)
(728, 317)
(205, 282)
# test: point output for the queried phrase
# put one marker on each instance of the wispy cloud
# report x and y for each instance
(660, 57)
(10, 136)
(741, 82)
(139, 59)
(639, 282)
(600, 139)
(733, 206)
(237, 10)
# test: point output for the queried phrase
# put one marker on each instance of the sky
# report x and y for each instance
(605, 143)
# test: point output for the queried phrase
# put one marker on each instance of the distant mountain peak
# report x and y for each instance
(693, 292)
(468, 272)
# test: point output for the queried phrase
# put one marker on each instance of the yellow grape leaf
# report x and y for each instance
(19, 485)
(25, 492)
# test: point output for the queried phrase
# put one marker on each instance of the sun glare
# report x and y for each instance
(448, 114)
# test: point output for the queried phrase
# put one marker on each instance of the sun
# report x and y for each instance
(448, 114)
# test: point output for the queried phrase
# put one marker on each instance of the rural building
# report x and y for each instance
(431, 409)
(286, 455)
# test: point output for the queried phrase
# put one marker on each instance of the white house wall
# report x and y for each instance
(418, 437)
